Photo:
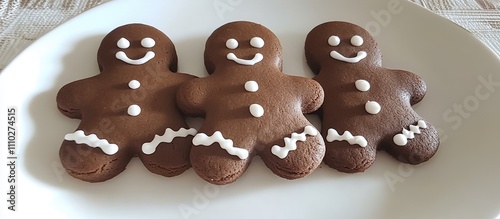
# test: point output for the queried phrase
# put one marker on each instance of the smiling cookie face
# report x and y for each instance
(255, 42)
(356, 41)
(242, 44)
(136, 45)
(146, 43)
(340, 43)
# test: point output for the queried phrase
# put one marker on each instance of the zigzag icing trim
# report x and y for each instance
(167, 137)
(333, 135)
(93, 141)
(402, 139)
(291, 143)
(226, 144)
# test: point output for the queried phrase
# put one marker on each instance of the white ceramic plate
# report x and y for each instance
(461, 181)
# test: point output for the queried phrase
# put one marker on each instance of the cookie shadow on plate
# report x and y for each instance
(42, 154)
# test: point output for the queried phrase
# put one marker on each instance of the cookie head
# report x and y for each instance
(340, 43)
(242, 44)
(137, 45)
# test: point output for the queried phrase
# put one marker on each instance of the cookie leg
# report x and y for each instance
(217, 159)
(168, 159)
(347, 152)
(348, 158)
(91, 164)
(415, 144)
(297, 155)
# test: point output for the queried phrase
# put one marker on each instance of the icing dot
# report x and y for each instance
(123, 43)
(334, 41)
(134, 84)
(372, 107)
(400, 140)
(148, 42)
(232, 44)
(134, 110)
(356, 40)
(422, 124)
(257, 42)
(362, 85)
(251, 86)
(256, 110)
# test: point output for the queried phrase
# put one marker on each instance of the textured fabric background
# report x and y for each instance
(480, 17)
(24, 21)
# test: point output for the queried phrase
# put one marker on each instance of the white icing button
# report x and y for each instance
(334, 41)
(148, 42)
(362, 85)
(372, 107)
(256, 110)
(123, 43)
(251, 86)
(134, 110)
(257, 42)
(357, 40)
(134, 84)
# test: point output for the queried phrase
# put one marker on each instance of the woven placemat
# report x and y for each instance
(24, 21)
(480, 17)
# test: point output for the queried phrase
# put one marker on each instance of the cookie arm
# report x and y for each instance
(311, 93)
(415, 85)
(191, 97)
(71, 97)
(181, 79)
(185, 77)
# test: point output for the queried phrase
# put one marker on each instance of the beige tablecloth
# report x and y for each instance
(24, 21)
(480, 17)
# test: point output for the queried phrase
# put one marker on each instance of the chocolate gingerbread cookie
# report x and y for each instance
(367, 107)
(251, 108)
(128, 109)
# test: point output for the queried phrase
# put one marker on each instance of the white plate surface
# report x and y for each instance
(461, 181)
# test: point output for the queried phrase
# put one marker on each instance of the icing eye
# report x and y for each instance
(257, 42)
(232, 44)
(123, 43)
(357, 40)
(148, 42)
(334, 41)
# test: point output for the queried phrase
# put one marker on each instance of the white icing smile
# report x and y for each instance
(122, 56)
(360, 56)
(355, 41)
(125, 44)
(256, 59)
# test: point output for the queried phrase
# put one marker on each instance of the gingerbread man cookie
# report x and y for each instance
(367, 107)
(251, 108)
(128, 109)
